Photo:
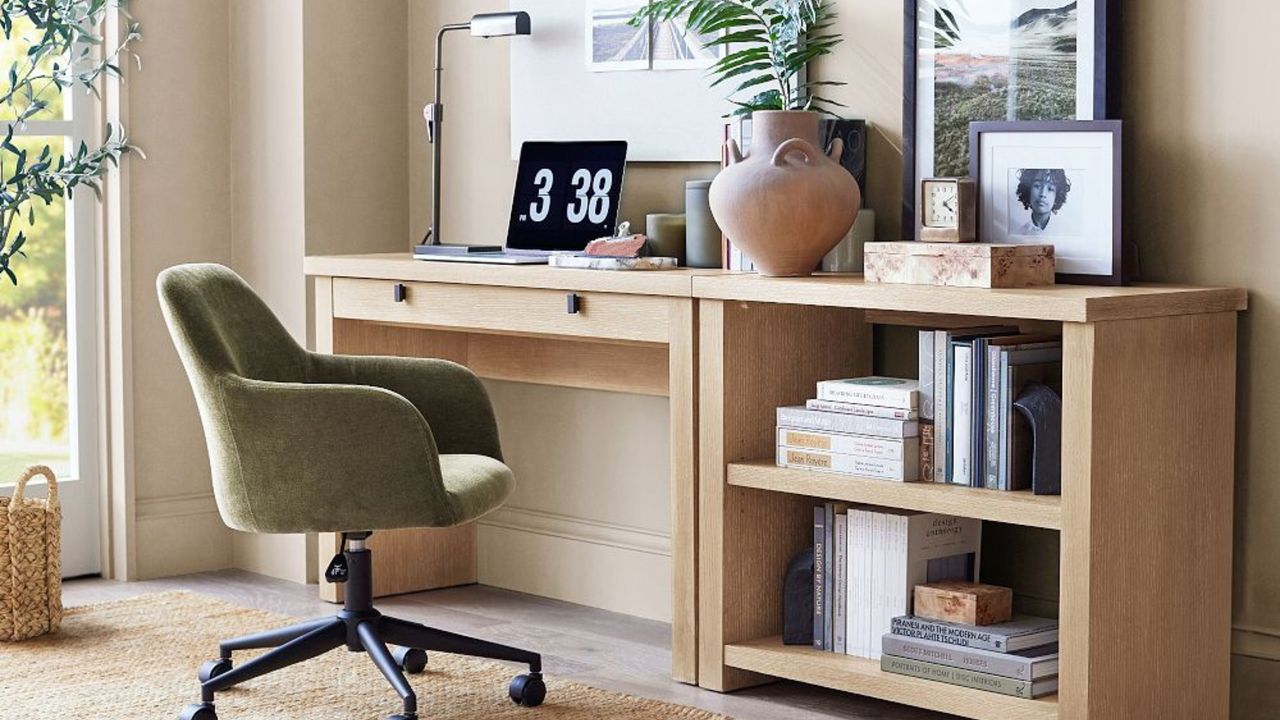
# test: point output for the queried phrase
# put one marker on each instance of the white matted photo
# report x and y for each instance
(1053, 183)
(612, 43)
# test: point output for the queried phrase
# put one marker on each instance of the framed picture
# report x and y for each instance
(1053, 183)
(997, 61)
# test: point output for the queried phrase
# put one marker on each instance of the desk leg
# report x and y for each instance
(683, 390)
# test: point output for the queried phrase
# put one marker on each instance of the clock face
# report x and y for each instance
(941, 204)
(566, 194)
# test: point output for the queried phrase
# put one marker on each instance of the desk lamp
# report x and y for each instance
(486, 25)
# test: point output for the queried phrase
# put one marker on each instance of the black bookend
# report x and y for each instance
(1042, 408)
(797, 601)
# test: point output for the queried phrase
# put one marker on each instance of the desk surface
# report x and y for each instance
(1061, 303)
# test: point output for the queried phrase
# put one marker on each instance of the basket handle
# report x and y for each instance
(20, 489)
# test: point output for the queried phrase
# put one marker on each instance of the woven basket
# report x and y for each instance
(30, 561)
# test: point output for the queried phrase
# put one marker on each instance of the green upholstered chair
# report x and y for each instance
(303, 442)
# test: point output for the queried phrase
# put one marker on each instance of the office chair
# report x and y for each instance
(301, 442)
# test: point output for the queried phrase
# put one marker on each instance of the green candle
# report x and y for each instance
(666, 235)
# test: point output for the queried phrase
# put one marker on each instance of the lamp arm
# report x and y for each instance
(434, 115)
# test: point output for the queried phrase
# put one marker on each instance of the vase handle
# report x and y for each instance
(836, 151)
(734, 153)
(800, 147)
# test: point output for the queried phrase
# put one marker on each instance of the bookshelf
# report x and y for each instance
(1144, 520)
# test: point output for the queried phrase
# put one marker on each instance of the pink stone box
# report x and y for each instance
(974, 265)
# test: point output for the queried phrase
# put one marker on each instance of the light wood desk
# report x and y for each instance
(631, 332)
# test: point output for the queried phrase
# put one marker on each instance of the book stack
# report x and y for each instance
(1018, 658)
(861, 426)
(867, 561)
(970, 379)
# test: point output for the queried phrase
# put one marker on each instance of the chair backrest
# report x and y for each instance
(221, 326)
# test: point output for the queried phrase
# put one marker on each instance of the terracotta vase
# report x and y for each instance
(785, 204)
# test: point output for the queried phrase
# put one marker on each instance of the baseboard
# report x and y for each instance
(612, 567)
(175, 537)
(1256, 642)
(175, 506)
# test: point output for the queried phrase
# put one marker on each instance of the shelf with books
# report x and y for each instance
(1015, 508)
(769, 656)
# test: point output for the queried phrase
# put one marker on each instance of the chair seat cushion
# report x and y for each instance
(476, 484)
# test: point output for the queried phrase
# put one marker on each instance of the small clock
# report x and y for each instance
(948, 210)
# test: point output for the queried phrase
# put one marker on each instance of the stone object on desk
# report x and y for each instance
(628, 246)
(585, 262)
(964, 602)
(974, 265)
(797, 600)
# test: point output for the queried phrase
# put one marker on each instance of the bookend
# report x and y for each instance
(1042, 408)
(797, 600)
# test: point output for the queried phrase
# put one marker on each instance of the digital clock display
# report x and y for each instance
(566, 194)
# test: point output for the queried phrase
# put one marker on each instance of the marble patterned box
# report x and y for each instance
(974, 265)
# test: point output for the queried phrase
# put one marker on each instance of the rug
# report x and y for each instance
(136, 659)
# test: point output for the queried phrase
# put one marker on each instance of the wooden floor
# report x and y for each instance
(594, 647)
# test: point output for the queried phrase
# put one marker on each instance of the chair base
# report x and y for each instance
(359, 628)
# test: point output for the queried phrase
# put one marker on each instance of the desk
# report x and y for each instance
(631, 332)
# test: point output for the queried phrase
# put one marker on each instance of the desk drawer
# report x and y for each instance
(504, 309)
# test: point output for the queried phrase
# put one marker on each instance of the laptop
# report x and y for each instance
(566, 195)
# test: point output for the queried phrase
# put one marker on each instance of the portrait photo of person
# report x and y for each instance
(1041, 194)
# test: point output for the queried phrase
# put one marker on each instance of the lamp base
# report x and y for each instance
(425, 250)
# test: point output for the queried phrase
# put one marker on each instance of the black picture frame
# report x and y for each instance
(1106, 64)
(1119, 274)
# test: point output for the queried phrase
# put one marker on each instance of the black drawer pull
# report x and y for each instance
(399, 292)
(573, 303)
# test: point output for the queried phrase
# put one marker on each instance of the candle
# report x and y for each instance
(666, 235)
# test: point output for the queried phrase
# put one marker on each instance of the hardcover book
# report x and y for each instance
(803, 418)
(861, 445)
(926, 374)
(1030, 664)
(819, 575)
(970, 679)
(875, 390)
(1022, 632)
(905, 470)
(862, 410)
(942, 392)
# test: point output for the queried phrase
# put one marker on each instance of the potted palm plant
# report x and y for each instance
(787, 203)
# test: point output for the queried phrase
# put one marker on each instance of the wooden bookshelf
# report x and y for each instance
(1015, 508)
(864, 677)
(1144, 520)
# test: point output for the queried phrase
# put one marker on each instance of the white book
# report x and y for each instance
(853, 560)
(873, 390)
(862, 410)
(926, 365)
(862, 445)
(941, 405)
(840, 582)
(879, 554)
(962, 417)
(904, 470)
(803, 418)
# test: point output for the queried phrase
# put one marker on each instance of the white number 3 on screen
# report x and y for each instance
(543, 180)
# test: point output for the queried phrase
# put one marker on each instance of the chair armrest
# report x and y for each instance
(450, 396)
(305, 457)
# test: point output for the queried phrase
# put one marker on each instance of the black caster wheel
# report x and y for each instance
(199, 711)
(528, 690)
(402, 717)
(213, 669)
(411, 660)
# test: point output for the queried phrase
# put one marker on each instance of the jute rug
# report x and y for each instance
(137, 659)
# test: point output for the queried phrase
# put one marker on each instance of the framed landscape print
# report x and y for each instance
(1053, 183)
(997, 60)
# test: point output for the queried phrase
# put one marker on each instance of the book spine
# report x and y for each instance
(884, 397)
(860, 445)
(912, 627)
(805, 419)
(956, 676)
(819, 530)
(840, 584)
(962, 415)
(879, 554)
(1006, 417)
(1010, 666)
(861, 410)
(926, 364)
(991, 432)
(926, 452)
(941, 406)
(853, 635)
(905, 470)
(828, 575)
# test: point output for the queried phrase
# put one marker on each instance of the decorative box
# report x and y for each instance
(976, 265)
(964, 602)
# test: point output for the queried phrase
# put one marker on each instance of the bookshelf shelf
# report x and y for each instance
(1015, 508)
(864, 677)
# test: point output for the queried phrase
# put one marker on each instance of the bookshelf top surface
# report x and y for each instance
(1061, 303)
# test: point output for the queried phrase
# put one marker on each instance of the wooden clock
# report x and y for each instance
(948, 210)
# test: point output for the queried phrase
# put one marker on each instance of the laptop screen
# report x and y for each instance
(566, 194)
